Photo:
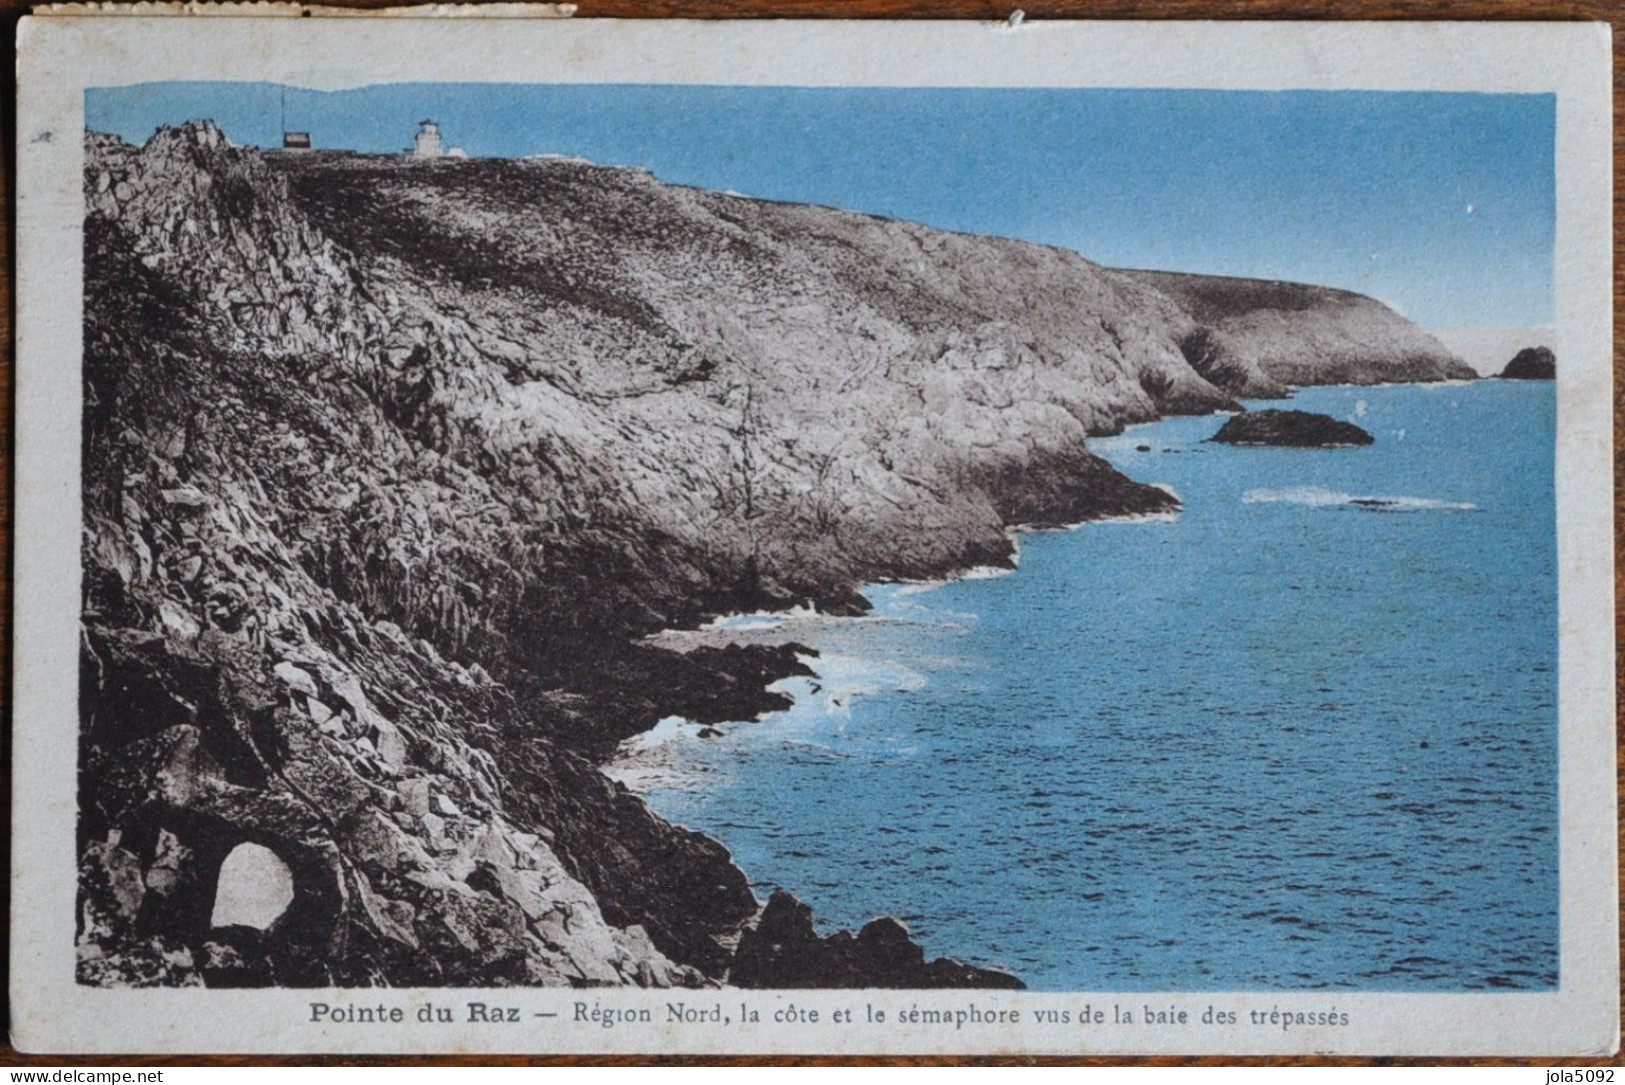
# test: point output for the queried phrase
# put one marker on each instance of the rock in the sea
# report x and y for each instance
(784, 950)
(1531, 364)
(1291, 429)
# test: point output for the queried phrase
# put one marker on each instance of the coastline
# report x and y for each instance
(646, 763)
(458, 543)
(804, 626)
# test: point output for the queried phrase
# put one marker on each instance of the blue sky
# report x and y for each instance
(1442, 205)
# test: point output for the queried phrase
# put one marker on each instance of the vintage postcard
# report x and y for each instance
(539, 535)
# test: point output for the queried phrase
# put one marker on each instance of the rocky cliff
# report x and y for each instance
(389, 465)
(1257, 337)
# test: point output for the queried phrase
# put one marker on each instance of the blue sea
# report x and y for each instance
(1302, 734)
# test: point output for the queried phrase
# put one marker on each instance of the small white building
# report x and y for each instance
(428, 141)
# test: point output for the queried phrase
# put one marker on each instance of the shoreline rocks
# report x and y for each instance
(784, 950)
(1290, 429)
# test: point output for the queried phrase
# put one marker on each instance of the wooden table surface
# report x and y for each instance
(1609, 11)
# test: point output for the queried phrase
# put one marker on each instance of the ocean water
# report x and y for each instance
(1301, 735)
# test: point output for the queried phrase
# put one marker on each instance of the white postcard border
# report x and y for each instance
(60, 56)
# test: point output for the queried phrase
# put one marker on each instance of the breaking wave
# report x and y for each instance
(1319, 497)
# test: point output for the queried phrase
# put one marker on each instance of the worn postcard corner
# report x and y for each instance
(592, 537)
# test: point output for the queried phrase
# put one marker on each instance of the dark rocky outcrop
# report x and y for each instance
(1291, 429)
(1531, 364)
(390, 467)
(783, 950)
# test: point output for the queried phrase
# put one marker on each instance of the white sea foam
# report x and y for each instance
(655, 760)
(667, 730)
(664, 759)
(842, 678)
(975, 572)
(1319, 497)
(755, 621)
(1166, 517)
(760, 620)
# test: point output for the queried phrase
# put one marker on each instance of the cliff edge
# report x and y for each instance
(1257, 337)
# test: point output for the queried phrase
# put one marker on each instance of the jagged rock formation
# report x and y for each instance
(1531, 364)
(389, 465)
(782, 949)
(1291, 429)
(1254, 337)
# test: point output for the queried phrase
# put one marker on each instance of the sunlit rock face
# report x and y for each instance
(1256, 337)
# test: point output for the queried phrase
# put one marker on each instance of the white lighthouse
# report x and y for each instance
(428, 141)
